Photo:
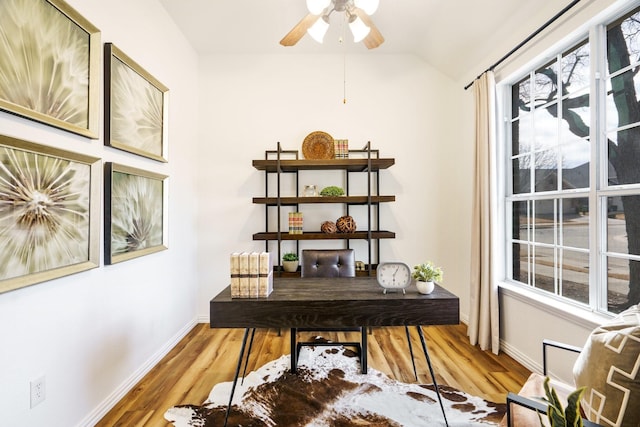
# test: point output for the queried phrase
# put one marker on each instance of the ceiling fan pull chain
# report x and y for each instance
(344, 66)
(344, 78)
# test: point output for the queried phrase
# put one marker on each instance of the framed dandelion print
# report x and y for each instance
(50, 65)
(135, 107)
(134, 213)
(49, 213)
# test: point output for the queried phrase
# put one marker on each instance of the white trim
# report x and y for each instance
(464, 319)
(520, 357)
(571, 313)
(99, 412)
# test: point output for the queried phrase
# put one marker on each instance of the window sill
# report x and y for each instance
(573, 313)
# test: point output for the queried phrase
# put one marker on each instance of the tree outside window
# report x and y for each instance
(551, 159)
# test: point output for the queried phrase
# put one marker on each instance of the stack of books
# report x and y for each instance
(295, 222)
(251, 274)
(341, 148)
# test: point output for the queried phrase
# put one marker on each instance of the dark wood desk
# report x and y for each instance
(338, 302)
(334, 302)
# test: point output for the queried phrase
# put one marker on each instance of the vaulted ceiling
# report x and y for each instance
(460, 38)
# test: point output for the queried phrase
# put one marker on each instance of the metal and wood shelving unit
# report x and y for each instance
(369, 162)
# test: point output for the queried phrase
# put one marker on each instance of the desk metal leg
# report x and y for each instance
(433, 376)
(363, 350)
(235, 378)
(246, 361)
(294, 351)
(413, 362)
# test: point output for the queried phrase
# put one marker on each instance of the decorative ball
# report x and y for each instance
(328, 227)
(346, 224)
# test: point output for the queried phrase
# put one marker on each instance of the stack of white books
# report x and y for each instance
(251, 274)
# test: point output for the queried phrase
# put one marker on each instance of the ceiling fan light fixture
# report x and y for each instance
(368, 6)
(359, 29)
(317, 6)
(319, 29)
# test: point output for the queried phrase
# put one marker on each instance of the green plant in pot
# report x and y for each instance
(332, 190)
(290, 262)
(559, 416)
(426, 274)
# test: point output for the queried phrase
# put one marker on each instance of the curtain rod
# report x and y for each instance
(525, 41)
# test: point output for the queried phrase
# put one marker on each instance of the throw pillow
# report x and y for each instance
(608, 368)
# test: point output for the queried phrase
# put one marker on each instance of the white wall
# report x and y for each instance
(398, 102)
(92, 334)
(526, 321)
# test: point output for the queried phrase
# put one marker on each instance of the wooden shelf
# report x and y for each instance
(352, 200)
(350, 165)
(365, 161)
(318, 235)
(359, 273)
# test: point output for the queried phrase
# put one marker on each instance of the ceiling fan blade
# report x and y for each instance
(299, 30)
(374, 38)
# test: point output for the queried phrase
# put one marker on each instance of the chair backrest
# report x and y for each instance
(328, 263)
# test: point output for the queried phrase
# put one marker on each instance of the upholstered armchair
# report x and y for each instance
(607, 366)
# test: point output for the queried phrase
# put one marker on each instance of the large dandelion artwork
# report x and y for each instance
(136, 107)
(49, 64)
(46, 223)
(134, 225)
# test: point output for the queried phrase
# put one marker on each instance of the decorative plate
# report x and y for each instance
(318, 145)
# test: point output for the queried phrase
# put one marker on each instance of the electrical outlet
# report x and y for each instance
(37, 391)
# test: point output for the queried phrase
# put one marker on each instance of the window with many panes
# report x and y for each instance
(573, 200)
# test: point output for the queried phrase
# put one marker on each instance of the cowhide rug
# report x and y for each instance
(329, 390)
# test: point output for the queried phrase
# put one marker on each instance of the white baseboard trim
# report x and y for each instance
(98, 413)
(464, 318)
(520, 357)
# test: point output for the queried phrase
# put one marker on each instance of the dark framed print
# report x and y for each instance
(134, 213)
(49, 213)
(135, 107)
(50, 65)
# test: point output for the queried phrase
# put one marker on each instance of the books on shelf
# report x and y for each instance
(251, 274)
(235, 274)
(295, 222)
(254, 258)
(341, 148)
(265, 275)
(244, 275)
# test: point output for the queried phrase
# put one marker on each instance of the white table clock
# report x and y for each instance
(393, 276)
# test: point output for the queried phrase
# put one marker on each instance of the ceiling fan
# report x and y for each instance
(357, 14)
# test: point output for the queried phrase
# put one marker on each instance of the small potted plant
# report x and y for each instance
(290, 262)
(332, 190)
(559, 416)
(426, 274)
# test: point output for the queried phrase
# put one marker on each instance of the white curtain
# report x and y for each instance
(484, 316)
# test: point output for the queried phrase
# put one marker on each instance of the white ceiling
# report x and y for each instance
(458, 37)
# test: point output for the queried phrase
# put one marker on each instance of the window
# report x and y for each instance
(573, 198)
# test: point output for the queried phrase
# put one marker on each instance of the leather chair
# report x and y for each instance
(328, 263)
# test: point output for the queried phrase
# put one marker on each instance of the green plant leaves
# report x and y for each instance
(332, 190)
(557, 415)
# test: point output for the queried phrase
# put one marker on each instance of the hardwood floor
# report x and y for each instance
(208, 356)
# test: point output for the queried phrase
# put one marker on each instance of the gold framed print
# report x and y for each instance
(49, 213)
(135, 112)
(50, 65)
(134, 213)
